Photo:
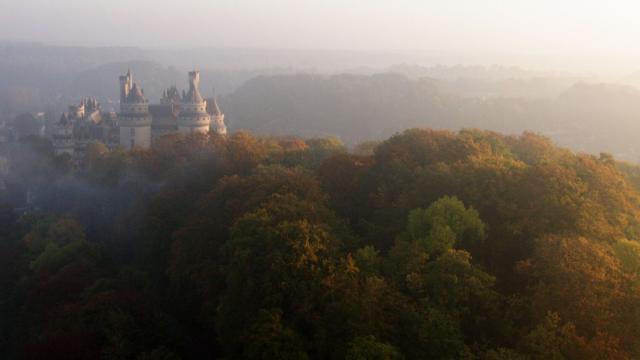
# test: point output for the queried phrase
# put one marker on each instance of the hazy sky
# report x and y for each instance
(540, 26)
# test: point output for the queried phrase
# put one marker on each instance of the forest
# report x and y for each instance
(427, 245)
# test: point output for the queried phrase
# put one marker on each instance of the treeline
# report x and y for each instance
(429, 245)
(360, 108)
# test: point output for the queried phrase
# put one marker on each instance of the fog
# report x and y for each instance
(326, 179)
(568, 70)
(586, 35)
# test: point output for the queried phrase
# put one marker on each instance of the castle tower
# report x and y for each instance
(217, 117)
(63, 142)
(165, 115)
(134, 117)
(170, 96)
(193, 113)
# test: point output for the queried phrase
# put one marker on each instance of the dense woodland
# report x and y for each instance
(429, 245)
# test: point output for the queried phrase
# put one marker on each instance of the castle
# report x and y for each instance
(82, 124)
(138, 123)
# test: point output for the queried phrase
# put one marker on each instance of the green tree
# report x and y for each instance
(450, 290)
(269, 338)
(279, 257)
(369, 348)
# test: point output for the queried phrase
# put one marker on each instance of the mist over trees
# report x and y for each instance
(585, 117)
(360, 214)
(434, 244)
(334, 94)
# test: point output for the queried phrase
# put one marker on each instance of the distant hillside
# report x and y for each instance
(34, 76)
(492, 81)
(586, 117)
(55, 75)
(262, 91)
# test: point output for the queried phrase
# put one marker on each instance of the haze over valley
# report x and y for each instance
(354, 95)
(330, 180)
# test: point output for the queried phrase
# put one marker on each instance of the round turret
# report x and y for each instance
(217, 117)
(193, 109)
(134, 118)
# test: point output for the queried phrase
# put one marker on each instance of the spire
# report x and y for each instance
(64, 119)
(213, 108)
(136, 95)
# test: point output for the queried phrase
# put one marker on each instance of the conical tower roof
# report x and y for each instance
(136, 95)
(64, 120)
(213, 108)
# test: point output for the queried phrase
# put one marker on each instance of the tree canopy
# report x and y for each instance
(429, 245)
